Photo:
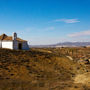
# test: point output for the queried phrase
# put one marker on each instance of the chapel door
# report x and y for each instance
(20, 46)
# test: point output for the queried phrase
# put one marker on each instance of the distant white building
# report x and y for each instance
(13, 42)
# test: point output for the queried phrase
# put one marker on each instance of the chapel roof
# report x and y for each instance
(10, 38)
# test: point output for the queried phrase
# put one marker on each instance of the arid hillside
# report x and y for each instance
(44, 69)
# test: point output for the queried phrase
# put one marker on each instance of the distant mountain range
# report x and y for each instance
(64, 44)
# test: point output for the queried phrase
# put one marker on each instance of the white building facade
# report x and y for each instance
(13, 42)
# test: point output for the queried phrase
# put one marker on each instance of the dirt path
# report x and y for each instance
(83, 78)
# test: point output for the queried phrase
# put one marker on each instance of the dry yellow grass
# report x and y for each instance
(40, 69)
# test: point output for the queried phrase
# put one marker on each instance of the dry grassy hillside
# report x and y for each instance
(40, 69)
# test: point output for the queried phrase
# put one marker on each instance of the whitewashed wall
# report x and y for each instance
(25, 46)
(15, 45)
(0, 44)
(7, 44)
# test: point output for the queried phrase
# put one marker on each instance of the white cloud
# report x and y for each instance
(67, 20)
(78, 34)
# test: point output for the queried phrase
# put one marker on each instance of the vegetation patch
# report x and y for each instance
(41, 69)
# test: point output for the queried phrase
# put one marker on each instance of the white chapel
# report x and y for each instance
(13, 42)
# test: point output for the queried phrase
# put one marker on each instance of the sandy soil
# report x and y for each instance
(83, 78)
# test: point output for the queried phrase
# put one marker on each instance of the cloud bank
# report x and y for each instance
(78, 34)
(67, 20)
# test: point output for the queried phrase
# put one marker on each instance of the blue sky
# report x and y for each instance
(46, 21)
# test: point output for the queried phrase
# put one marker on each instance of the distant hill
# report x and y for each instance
(64, 44)
(73, 44)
